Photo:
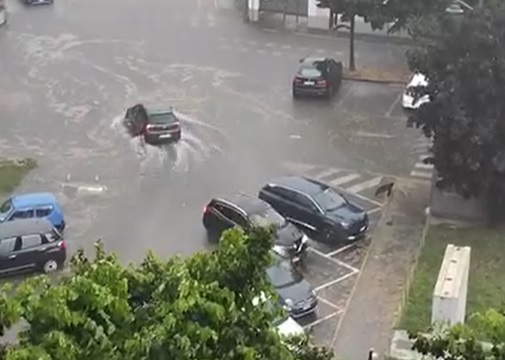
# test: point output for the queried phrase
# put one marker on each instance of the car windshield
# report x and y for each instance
(6, 207)
(163, 118)
(267, 218)
(329, 200)
(280, 276)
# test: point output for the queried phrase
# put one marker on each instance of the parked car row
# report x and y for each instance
(293, 205)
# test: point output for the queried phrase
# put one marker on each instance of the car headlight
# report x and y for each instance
(344, 224)
(288, 305)
(280, 250)
(304, 239)
(314, 294)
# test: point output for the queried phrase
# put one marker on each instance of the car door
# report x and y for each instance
(31, 251)
(22, 214)
(221, 216)
(8, 258)
(43, 211)
(308, 212)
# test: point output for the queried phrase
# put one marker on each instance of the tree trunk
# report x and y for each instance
(352, 64)
(245, 11)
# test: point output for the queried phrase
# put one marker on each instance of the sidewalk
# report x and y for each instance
(372, 309)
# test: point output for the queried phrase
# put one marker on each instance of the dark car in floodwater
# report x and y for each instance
(156, 125)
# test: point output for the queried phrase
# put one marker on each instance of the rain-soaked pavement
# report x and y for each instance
(70, 70)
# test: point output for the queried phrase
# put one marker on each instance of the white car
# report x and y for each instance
(289, 327)
(408, 101)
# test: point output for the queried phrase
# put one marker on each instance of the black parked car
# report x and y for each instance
(30, 245)
(318, 77)
(245, 211)
(157, 126)
(317, 208)
(295, 294)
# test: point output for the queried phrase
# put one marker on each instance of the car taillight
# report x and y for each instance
(297, 80)
(62, 245)
(205, 209)
(321, 83)
(149, 127)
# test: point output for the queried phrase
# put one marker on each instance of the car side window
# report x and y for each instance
(43, 212)
(305, 202)
(7, 246)
(284, 193)
(231, 215)
(30, 241)
(22, 214)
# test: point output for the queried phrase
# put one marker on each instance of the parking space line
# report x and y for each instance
(319, 321)
(336, 281)
(342, 249)
(392, 107)
(330, 304)
(373, 211)
(338, 262)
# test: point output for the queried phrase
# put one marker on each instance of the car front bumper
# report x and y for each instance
(302, 311)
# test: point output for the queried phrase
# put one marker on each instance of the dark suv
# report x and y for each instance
(245, 211)
(317, 76)
(30, 245)
(317, 208)
(157, 126)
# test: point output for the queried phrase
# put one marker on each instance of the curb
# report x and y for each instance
(374, 81)
(381, 223)
(387, 39)
(413, 268)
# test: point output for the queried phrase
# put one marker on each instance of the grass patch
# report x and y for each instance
(400, 76)
(12, 173)
(486, 286)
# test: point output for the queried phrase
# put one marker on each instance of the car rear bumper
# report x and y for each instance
(302, 312)
(310, 91)
(162, 137)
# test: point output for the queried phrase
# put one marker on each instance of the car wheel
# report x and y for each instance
(50, 266)
(329, 95)
(295, 94)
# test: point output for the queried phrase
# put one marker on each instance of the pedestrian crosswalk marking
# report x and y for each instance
(364, 185)
(327, 173)
(345, 179)
(421, 165)
(419, 174)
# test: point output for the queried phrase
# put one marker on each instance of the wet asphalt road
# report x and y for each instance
(69, 72)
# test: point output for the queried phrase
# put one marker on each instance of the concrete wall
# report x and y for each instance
(453, 206)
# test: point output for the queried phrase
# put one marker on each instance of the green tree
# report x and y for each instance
(465, 67)
(465, 343)
(195, 308)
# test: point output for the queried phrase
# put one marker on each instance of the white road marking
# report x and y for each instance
(344, 179)
(370, 212)
(335, 261)
(211, 21)
(336, 281)
(286, 47)
(320, 51)
(269, 44)
(421, 174)
(329, 303)
(277, 53)
(318, 321)
(424, 166)
(393, 105)
(327, 173)
(364, 185)
(342, 249)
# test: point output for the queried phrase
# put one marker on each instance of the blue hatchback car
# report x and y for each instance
(33, 205)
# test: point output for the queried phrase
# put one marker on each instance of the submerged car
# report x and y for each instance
(316, 208)
(33, 205)
(409, 100)
(156, 125)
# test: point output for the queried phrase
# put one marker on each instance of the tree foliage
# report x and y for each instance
(195, 308)
(465, 67)
(465, 343)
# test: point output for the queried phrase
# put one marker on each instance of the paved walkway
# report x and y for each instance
(373, 308)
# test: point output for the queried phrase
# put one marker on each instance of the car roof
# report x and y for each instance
(299, 183)
(248, 203)
(33, 199)
(24, 227)
(418, 79)
(312, 59)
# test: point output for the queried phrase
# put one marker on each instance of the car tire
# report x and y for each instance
(329, 95)
(50, 266)
(295, 94)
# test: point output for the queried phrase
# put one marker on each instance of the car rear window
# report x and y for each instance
(309, 72)
(52, 236)
(6, 207)
(165, 118)
(268, 217)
